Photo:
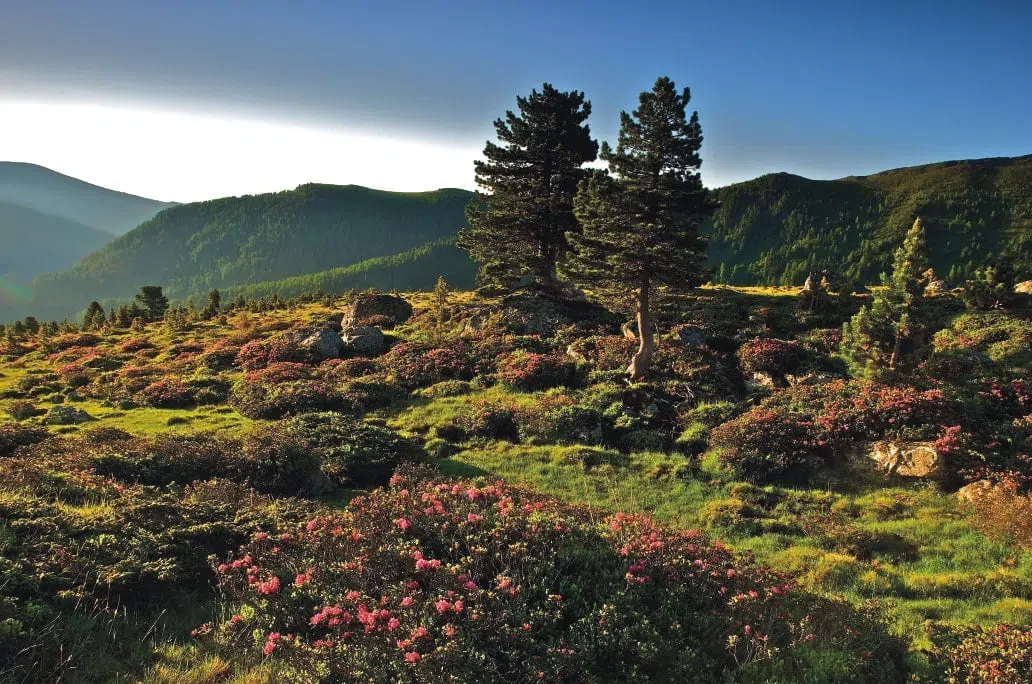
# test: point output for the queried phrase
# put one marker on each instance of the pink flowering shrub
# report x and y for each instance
(260, 353)
(769, 444)
(769, 355)
(413, 365)
(220, 356)
(1000, 654)
(166, 393)
(529, 372)
(434, 580)
(134, 344)
(279, 371)
(67, 340)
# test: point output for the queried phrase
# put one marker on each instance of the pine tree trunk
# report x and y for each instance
(896, 347)
(640, 362)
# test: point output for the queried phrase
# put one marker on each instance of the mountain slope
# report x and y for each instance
(242, 240)
(33, 241)
(54, 193)
(776, 228)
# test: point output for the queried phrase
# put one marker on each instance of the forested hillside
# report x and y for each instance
(776, 228)
(412, 270)
(252, 239)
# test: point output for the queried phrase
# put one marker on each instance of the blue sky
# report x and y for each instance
(823, 89)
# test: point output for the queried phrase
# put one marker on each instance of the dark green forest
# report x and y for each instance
(775, 229)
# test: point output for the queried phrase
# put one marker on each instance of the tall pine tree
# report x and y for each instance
(640, 222)
(518, 226)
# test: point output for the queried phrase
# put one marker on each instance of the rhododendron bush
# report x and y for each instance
(434, 580)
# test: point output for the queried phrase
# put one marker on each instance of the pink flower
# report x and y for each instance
(412, 657)
(449, 630)
(403, 524)
(442, 606)
(407, 601)
(269, 586)
(393, 624)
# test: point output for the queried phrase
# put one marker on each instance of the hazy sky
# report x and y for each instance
(193, 99)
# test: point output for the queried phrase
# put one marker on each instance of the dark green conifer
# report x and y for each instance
(153, 301)
(640, 223)
(887, 337)
(518, 225)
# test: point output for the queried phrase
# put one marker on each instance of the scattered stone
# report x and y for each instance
(363, 340)
(906, 459)
(760, 379)
(66, 415)
(365, 306)
(325, 344)
(691, 336)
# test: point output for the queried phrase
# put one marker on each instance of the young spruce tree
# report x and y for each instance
(886, 337)
(518, 227)
(640, 222)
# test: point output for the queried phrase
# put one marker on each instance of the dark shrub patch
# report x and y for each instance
(14, 435)
(289, 398)
(353, 453)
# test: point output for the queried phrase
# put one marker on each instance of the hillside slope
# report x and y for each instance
(50, 192)
(416, 269)
(252, 239)
(776, 228)
(34, 241)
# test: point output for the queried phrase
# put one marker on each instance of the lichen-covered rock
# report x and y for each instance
(975, 491)
(363, 340)
(366, 306)
(906, 459)
(66, 415)
(324, 344)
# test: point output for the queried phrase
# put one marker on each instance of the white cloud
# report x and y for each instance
(190, 156)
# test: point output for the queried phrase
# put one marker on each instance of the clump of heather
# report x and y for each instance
(1001, 654)
(438, 580)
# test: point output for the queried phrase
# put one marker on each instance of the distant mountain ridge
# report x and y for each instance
(35, 242)
(770, 230)
(778, 227)
(49, 192)
(241, 241)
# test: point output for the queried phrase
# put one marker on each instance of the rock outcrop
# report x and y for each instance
(366, 306)
(906, 459)
(66, 415)
(364, 340)
(324, 344)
